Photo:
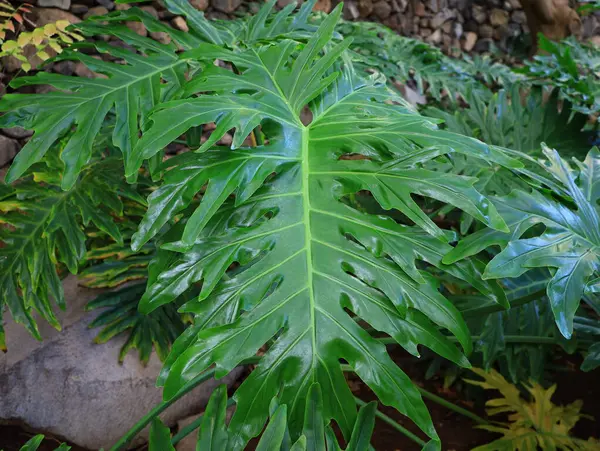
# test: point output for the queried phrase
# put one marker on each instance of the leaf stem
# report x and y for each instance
(383, 417)
(437, 400)
(187, 430)
(157, 410)
(442, 402)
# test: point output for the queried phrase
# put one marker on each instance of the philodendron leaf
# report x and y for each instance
(570, 243)
(285, 262)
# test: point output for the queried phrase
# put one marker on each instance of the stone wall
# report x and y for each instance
(470, 25)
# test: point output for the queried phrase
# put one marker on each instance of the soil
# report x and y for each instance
(456, 431)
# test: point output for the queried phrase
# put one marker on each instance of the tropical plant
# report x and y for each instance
(534, 424)
(40, 42)
(521, 118)
(296, 248)
(571, 66)
(45, 230)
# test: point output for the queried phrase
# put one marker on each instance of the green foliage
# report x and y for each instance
(404, 59)
(308, 228)
(214, 435)
(567, 245)
(535, 424)
(157, 330)
(520, 118)
(44, 231)
(571, 66)
(35, 442)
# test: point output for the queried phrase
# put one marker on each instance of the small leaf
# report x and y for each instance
(160, 437)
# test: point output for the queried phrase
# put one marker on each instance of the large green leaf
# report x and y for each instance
(568, 245)
(283, 259)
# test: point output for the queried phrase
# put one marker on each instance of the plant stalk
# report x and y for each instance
(187, 430)
(437, 400)
(146, 419)
(442, 402)
(157, 410)
(383, 417)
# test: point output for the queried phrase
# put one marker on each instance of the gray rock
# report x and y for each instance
(365, 7)
(79, 9)
(486, 31)
(435, 37)
(17, 132)
(150, 10)
(350, 11)
(457, 30)
(96, 11)
(8, 150)
(62, 4)
(382, 9)
(499, 17)
(108, 4)
(519, 17)
(199, 4)
(470, 38)
(478, 13)
(413, 97)
(180, 23)
(137, 27)
(226, 6)
(44, 16)
(161, 36)
(70, 387)
(420, 9)
(483, 45)
(443, 16)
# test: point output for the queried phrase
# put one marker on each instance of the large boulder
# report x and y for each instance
(74, 389)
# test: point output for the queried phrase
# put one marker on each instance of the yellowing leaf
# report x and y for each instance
(62, 24)
(50, 29)
(534, 424)
(9, 45)
(43, 55)
(24, 39)
(65, 38)
(55, 46)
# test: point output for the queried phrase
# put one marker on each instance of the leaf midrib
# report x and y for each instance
(305, 171)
